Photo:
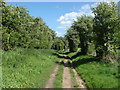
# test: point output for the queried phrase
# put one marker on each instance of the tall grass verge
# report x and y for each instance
(27, 68)
(59, 77)
(96, 74)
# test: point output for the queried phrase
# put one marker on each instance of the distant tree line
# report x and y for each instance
(101, 32)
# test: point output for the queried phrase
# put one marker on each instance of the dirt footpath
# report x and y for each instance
(67, 82)
(79, 81)
(50, 82)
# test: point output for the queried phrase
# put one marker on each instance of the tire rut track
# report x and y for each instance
(67, 82)
(50, 82)
(79, 81)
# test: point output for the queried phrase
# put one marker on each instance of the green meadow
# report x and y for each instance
(28, 68)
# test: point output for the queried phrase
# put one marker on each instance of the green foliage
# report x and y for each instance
(91, 49)
(80, 33)
(72, 37)
(105, 26)
(19, 29)
(72, 54)
(27, 68)
(84, 26)
(65, 40)
(99, 35)
(116, 35)
(59, 43)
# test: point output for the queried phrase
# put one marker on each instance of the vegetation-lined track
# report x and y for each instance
(79, 81)
(67, 81)
(94, 74)
(92, 43)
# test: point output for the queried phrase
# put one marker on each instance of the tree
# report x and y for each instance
(19, 29)
(58, 43)
(105, 22)
(72, 37)
(83, 26)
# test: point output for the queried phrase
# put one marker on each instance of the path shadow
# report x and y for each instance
(78, 54)
(62, 63)
(78, 62)
(65, 57)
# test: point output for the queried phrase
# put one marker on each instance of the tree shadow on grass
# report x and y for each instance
(65, 57)
(76, 55)
(81, 61)
(62, 63)
(66, 53)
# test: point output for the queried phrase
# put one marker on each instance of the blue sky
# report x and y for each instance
(119, 7)
(57, 15)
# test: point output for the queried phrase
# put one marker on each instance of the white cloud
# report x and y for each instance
(67, 19)
(61, 18)
(68, 16)
(58, 33)
(85, 7)
(64, 26)
(65, 22)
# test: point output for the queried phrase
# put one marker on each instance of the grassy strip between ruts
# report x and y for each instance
(59, 77)
(73, 76)
(27, 68)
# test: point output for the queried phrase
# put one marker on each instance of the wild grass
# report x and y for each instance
(72, 75)
(0, 78)
(62, 51)
(0, 69)
(96, 74)
(27, 68)
(59, 77)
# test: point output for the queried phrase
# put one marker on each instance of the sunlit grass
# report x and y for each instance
(59, 77)
(96, 74)
(72, 75)
(27, 68)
